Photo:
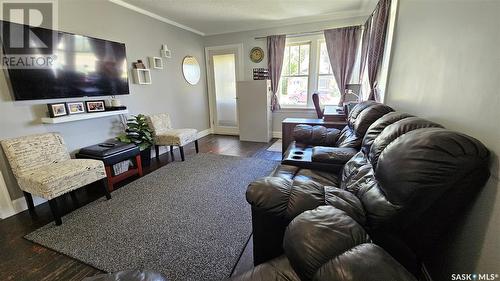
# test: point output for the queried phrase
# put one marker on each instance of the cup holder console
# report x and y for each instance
(298, 156)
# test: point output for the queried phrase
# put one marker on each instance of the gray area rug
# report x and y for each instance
(188, 220)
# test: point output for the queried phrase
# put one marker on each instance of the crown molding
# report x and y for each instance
(155, 16)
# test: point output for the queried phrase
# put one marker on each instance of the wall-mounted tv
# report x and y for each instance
(82, 66)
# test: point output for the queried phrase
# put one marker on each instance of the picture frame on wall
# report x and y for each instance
(95, 106)
(57, 109)
(76, 107)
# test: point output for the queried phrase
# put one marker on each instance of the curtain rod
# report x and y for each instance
(301, 34)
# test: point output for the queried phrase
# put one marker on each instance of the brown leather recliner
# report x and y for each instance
(329, 149)
(401, 191)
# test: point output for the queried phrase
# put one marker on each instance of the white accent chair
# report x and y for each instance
(165, 135)
(43, 167)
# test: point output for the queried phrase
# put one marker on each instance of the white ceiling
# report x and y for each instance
(208, 17)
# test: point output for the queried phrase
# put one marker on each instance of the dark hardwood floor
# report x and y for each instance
(21, 259)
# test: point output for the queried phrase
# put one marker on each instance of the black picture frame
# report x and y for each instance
(95, 106)
(76, 107)
(57, 109)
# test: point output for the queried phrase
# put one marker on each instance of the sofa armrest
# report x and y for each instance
(275, 202)
(315, 135)
(327, 244)
(367, 262)
(284, 198)
(332, 155)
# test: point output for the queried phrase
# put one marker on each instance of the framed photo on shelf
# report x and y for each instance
(57, 109)
(75, 107)
(95, 106)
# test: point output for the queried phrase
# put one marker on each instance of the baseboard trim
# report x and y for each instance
(277, 135)
(205, 133)
(20, 205)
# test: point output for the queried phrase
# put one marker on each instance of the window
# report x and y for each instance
(294, 83)
(327, 89)
(306, 70)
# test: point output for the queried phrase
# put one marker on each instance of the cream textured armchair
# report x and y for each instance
(43, 167)
(164, 134)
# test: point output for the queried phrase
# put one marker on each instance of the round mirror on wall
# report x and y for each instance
(191, 70)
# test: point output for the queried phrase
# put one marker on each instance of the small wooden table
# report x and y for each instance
(289, 124)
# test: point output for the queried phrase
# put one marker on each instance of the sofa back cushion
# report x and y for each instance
(358, 122)
(393, 132)
(378, 126)
(412, 165)
(28, 153)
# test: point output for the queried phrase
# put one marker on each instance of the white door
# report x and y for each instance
(223, 72)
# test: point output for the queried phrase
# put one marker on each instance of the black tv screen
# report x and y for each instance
(81, 66)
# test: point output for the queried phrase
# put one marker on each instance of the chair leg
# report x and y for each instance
(196, 146)
(74, 199)
(104, 184)
(181, 149)
(138, 163)
(29, 201)
(55, 211)
(172, 152)
(157, 150)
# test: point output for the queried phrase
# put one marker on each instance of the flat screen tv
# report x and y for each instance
(82, 66)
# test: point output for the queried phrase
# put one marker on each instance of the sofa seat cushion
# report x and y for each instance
(178, 137)
(297, 174)
(290, 190)
(332, 155)
(55, 179)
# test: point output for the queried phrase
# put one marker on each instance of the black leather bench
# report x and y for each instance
(112, 152)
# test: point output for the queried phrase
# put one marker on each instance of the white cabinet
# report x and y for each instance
(254, 110)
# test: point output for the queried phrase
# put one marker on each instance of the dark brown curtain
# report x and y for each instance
(377, 30)
(342, 45)
(275, 53)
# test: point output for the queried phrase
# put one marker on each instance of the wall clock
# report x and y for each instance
(256, 54)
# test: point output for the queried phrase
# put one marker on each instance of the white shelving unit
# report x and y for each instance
(155, 62)
(82, 116)
(142, 76)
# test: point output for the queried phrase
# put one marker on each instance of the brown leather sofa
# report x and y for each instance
(321, 148)
(376, 220)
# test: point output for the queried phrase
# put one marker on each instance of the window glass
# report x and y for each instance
(328, 90)
(294, 83)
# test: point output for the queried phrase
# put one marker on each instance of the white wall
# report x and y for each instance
(446, 67)
(143, 36)
(248, 40)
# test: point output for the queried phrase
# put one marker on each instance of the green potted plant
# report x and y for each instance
(137, 131)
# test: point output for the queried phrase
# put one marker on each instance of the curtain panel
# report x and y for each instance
(275, 54)
(342, 45)
(364, 49)
(376, 31)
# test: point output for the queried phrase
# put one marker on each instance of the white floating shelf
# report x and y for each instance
(155, 62)
(82, 116)
(141, 76)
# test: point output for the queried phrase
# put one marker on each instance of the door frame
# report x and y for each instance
(211, 86)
